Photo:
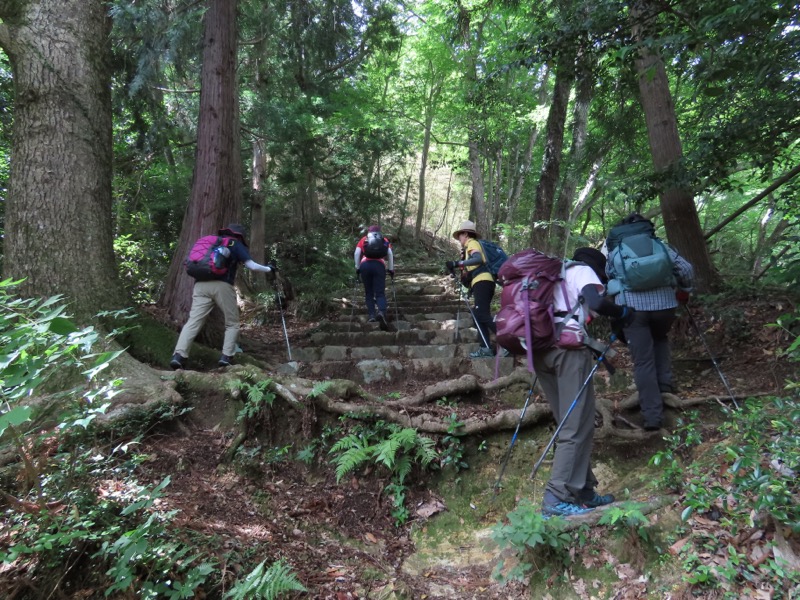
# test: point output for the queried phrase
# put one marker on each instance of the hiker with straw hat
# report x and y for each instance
(478, 280)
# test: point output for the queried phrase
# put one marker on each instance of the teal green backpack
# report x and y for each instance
(637, 259)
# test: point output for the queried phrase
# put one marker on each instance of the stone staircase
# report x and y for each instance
(431, 334)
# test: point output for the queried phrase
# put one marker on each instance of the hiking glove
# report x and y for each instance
(271, 264)
(619, 324)
(451, 266)
(682, 296)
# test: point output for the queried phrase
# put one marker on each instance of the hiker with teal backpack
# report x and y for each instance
(212, 262)
(478, 276)
(648, 275)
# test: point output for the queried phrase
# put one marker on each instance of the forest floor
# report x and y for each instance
(341, 539)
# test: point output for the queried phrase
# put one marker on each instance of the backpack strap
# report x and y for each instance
(527, 285)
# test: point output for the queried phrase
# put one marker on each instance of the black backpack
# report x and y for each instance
(376, 245)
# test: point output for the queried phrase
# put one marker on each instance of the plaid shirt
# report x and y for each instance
(661, 298)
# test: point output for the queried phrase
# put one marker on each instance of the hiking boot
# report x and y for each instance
(649, 426)
(598, 500)
(482, 353)
(563, 509)
(382, 322)
(505, 353)
(177, 362)
(667, 388)
(224, 360)
(372, 320)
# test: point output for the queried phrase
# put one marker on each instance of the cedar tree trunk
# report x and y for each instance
(58, 215)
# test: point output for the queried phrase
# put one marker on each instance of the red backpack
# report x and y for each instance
(209, 258)
(525, 322)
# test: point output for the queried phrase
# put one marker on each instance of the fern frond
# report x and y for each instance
(320, 389)
(346, 443)
(266, 585)
(407, 437)
(426, 450)
(386, 451)
(402, 468)
(351, 459)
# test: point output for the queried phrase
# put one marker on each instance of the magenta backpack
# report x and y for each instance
(525, 322)
(209, 258)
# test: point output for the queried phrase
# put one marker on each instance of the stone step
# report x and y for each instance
(394, 370)
(376, 337)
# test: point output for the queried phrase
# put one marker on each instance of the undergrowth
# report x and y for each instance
(75, 520)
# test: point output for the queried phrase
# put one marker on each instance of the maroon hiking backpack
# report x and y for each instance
(525, 322)
(209, 258)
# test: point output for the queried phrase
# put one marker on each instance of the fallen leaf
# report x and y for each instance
(676, 547)
(371, 538)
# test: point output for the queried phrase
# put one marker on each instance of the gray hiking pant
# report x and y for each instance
(652, 364)
(205, 296)
(561, 374)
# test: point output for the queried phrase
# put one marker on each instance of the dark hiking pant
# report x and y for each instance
(652, 365)
(482, 293)
(373, 275)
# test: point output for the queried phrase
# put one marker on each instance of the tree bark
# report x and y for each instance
(551, 163)
(562, 214)
(58, 230)
(257, 225)
(677, 201)
(216, 198)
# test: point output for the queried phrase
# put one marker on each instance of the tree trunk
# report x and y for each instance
(677, 202)
(551, 162)
(58, 230)
(566, 197)
(423, 169)
(257, 225)
(216, 186)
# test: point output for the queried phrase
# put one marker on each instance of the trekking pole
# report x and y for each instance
(475, 320)
(513, 439)
(713, 359)
(285, 333)
(572, 406)
(396, 312)
(456, 335)
(353, 304)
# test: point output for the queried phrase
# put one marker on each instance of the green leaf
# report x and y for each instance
(14, 417)
(62, 326)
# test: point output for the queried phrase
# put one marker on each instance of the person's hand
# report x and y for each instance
(619, 324)
(451, 266)
(391, 274)
(273, 267)
(682, 296)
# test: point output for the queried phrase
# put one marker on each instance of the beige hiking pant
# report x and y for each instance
(205, 296)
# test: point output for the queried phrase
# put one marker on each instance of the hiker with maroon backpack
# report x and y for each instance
(545, 307)
(373, 259)
(212, 262)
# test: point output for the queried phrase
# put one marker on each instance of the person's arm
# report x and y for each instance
(684, 272)
(600, 304)
(357, 257)
(390, 260)
(254, 266)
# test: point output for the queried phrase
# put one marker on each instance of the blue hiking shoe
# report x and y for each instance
(598, 500)
(482, 352)
(563, 509)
